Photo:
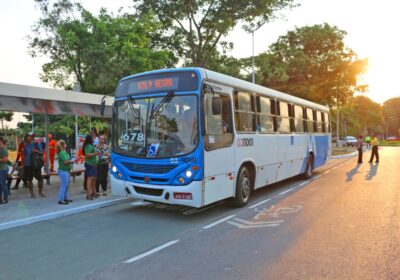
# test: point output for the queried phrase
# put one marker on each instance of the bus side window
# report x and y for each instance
(298, 119)
(245, 114)
(265, 118)
(219, 128)
(283, 118)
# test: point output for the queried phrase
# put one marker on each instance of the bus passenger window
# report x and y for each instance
(219, 131)
(283, 118)
(264, 115)
(245, 112)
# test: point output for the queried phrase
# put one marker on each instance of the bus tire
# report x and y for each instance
(309, 168)
(243, 187)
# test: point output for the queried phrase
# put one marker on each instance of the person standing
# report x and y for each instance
(102, 166)
(29, 170)
(52, 150)
(93, 132)
(359, 147)
(374, 153)
(19, 165)
(3, 171)
(91, 160)
(64, 171)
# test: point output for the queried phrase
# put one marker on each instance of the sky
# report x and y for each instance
(371, 26)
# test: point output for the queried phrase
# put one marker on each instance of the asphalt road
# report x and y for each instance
(344, 223)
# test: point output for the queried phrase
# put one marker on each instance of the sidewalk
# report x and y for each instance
(21, 209)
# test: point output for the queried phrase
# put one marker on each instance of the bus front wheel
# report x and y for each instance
(243, 187)
(309, 168)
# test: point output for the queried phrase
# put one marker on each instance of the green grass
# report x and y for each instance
(342, 151)
(390, 143)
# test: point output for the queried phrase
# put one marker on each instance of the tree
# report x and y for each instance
(94, 52)
(313, 63)
(5, 116)
(391, 112)
(363, 116)
(197, 28)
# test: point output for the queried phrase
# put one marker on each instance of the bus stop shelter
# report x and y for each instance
(29, 99)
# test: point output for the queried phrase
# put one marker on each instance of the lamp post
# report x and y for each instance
(253, 73)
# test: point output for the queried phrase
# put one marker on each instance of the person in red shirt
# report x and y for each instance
(19, 163)
(52, 150)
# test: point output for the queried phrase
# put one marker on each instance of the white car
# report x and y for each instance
(348, 141)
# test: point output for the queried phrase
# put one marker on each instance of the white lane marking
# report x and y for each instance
(316, 177)
(304, 183)
(252, 226)
(258, 223)
(218, 222)
(259, 203)
(327, 171)
(152, 251)
(288, 190)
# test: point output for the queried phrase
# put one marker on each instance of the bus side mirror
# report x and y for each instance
(103, 106)
(216, 105)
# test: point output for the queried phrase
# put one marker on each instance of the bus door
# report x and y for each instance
(218, 139)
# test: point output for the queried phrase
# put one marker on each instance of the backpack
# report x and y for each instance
(37, 160)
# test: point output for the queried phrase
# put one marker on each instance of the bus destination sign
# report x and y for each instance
(161, 84)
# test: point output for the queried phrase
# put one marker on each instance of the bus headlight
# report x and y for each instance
(114, 169)
(188, 173)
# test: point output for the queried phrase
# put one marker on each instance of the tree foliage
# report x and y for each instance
(197, 28)
(391, 112)
(363, 116)
(94, 52)
(313, 63)
(5, 116)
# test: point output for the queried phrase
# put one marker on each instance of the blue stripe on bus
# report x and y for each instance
(321, 151)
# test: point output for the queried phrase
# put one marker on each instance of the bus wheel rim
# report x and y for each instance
(245, 188)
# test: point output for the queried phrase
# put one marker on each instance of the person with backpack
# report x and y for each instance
(33, 163)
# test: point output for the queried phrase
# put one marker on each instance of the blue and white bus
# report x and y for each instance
(192, 137)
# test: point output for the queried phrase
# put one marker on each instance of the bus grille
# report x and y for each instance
(148, 191)
(149, 168)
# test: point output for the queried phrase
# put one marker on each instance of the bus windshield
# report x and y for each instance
(156, 127)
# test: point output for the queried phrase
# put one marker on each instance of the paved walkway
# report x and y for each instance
(21, 209)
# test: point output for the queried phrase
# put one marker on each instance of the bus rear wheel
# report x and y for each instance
(243, 187)
(309, 168)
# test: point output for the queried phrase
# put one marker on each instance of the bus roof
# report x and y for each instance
(240, 84)
(250, 87)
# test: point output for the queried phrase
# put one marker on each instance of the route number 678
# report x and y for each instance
(132, 136)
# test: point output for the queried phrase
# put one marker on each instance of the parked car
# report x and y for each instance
(348, 141)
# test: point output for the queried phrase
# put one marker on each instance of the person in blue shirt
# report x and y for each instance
(29, 171)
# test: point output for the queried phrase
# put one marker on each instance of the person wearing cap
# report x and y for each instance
(29, 172)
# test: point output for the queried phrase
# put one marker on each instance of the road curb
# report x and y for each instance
(63, 213)
(345, 156)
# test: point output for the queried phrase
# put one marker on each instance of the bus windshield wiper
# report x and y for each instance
(131, 102)
(165, 100)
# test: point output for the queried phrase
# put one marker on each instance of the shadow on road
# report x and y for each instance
(373, 170)
(352, 172)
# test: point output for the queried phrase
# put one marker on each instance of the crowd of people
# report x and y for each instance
(31, 156)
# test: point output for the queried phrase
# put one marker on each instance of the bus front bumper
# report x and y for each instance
(189, 195)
